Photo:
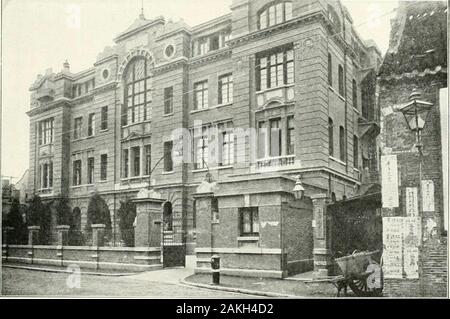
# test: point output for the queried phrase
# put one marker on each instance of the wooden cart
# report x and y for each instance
(354, 274)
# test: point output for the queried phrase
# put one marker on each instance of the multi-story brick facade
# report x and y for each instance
(417, 60)
(297, 67)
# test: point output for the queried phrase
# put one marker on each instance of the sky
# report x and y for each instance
(42, 34)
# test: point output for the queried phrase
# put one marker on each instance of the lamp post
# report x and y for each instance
(298, 190)
(416, 113)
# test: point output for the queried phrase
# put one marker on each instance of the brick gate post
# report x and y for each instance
(98, 235)
(63, 235)
(323, 262)
(33, 235)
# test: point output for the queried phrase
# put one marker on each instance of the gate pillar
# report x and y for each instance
(323, 262)
(148, 218)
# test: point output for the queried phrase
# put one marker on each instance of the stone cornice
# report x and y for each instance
(49, 106)
(83, 99)
(106, 87)
(103, 60)
(314, 16)
(173, 32)
(161, 68)
(210, 57)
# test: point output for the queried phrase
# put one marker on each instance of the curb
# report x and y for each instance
(238, 290)
(90, 273)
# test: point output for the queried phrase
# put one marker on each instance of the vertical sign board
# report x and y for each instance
(389, 178)
(428, 196)
(412, 206)
(412, 237)
(392, 243)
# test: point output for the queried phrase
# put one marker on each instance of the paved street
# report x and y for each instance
(159, 284)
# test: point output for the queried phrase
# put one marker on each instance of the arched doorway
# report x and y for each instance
(168, 217)
(173, 244)
(75, 234)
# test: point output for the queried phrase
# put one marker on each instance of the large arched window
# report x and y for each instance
(330, 137)
(138, 91)
(275, 13)
(342, 143)
(341, 80)
(330, 70)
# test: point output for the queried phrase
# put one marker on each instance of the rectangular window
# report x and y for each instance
(104, 118)
(91, 124)
(225, 89)
(201, 149)
(136, 153)
(227, 149)
(249, 221)
(125, 163)
(44, 180)
(76, 172)
(148, 160)
(78, 123)
(275, 68)
(355, 152)
(104, 167)
(203, 46)
(262, 138)
(275, 138)
(168, 162)
(330, 137)
(46, 131)
(214, 42)
(90, 170)
(341, 80)
(168, 100)
(290, 136)
(342, 143)
(201, 95)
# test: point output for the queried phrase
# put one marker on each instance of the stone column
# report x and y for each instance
(148, 219)
(33, 235)
(98, 234)
(63, 235)
(323, 262)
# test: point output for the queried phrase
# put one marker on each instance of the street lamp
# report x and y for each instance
(416, 113)
(298, 190)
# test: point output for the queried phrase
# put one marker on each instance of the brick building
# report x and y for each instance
(416, 60)
(297, 72)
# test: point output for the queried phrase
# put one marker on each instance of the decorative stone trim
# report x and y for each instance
(210, 57)
(137, 52)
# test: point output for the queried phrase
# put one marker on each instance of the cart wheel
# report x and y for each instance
(359, 287)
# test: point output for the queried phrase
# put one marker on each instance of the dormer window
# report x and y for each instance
(212, 42)
(275, 13)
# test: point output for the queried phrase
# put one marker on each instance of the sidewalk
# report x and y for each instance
(281, 288)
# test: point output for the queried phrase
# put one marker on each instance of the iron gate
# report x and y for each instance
(174, 248)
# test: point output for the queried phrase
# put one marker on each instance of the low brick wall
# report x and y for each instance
(113, 258)
(242, 262)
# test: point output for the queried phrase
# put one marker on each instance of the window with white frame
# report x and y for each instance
(91, 124)
(90, 170)
(46, 131)
(201, 149)
(76, 180)
(77, 127)
(103, 167)
(201, 95)
(275, 13)
(138, 91)
(226, 140)
(46, 175)
(225, 89)
(275, 68)
(249, 221)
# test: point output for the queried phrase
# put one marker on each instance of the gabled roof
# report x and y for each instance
(139, 24)
(418, 39)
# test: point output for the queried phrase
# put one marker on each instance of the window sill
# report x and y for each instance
(198, 111)
(275, 88)
(221, 105)
(334, 159)
(81, 186)
(337, 93)
(90, 137)
(136, 123)
(168, 173)
(103, 131)
(248, 238)
(202, 170)
(168, 115)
